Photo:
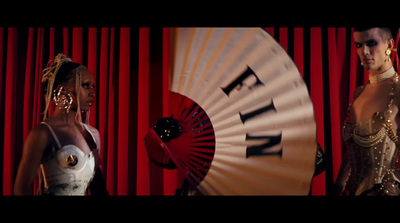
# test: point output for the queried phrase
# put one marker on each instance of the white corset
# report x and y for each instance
(67, 170)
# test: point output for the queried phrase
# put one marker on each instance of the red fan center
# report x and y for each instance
(185, 139)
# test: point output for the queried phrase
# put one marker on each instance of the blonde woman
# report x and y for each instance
(62, 149)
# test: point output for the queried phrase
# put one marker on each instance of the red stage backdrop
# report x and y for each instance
(131, 66)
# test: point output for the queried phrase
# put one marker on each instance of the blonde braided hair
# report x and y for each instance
(49, 75)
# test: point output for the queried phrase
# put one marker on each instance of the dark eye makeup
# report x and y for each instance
(369, 43)
(88, 86)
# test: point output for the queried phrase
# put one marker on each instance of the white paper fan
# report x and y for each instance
(241, 114)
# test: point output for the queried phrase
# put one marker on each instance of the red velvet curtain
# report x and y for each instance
(131, 66)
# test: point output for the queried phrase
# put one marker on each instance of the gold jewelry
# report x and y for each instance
(383, 76)
(46, 186)
(63, 98)
(72, 160)
(387, 52)
(396, 78)
(49, 75)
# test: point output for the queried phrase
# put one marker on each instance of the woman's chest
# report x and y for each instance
(374, 102)
(84, 140)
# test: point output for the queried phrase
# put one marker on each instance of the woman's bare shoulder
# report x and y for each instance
(397, 93)
(358, 91)
(92, 129)
(38, 138)
(95, 132)
(40, 130)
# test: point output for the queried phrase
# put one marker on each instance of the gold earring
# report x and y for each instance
(63, 98)
(388, 51)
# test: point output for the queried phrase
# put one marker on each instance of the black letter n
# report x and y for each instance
(263, 148)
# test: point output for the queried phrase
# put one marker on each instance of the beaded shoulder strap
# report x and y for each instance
(388, 123)
(356, 93)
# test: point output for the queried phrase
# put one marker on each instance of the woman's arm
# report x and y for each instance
(34, 147)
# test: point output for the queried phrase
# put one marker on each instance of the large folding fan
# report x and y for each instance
(240, 121)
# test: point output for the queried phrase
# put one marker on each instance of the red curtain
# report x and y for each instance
(131, 65)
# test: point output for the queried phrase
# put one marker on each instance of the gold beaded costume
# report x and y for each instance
(373, 150)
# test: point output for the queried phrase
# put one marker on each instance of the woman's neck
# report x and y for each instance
(382, 76)
(64, 117)
(385, 67)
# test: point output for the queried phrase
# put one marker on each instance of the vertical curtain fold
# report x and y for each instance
(65, 42)
(123, 112)
(334, 88)
(36, 95)
(353, 80)
(156, 174)
(143, 181)
(317, 96)
(2, 96)
(77, 45)
(111, 145)
(39, 66)
(52, 52)
(29, 85)
(9, 111)
(101, 96)
(92, 66)
(298, 56)
(171, 176)
(283, 37)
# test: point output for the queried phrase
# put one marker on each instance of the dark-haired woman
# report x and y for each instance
(63, 150)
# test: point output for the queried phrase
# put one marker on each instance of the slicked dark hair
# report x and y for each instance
(64, 73)
(389, 32)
